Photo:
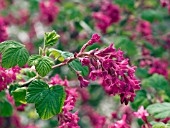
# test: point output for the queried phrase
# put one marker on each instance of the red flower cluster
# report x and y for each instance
(67, 119)
(120, 123)
(96, 119)
(110, 65)
(160, 67)
(48, 11)
(7, 76)
(108, 14)
(144, 27)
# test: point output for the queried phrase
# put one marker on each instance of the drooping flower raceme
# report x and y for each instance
(109, 65)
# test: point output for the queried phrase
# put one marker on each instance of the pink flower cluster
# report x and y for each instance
(7, 76)
(165, 3)
(57, 80)
(3, 30)
(144, 27)
(21, 18)
(108, 14)
(160, 67)
(67, 119)
(156, 65)
(117, 75)
(96, 119)
(166, 39)
(142, 113)
(48, 11)
(120, 123)
(3, 4)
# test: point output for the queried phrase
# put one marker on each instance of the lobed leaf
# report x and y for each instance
(43, 64)
(48, 101)
(159, 110)
(51, 38)
(13, 53)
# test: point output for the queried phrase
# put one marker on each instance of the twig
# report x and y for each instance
(28, 82)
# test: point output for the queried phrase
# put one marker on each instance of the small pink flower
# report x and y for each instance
(95, 38)
(83, 82)
(85, 61)
(141, 113)
(164, 3)
(120, 123)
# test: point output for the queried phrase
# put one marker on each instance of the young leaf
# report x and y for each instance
(13, 53)
(51, 38)
(57, 54)
(76, 64)
(33, 60)
(48, 101)
(159, 110)
(6, 108)
(44, 66)
(19, 95)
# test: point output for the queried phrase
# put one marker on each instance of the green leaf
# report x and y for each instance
(44, 66)
(126, 45)
(19, 95)
(151, 15)
(159, 110)
(12, 87)
(140, 99)
(6, 108)
(13, 53)
(7, 44)
(33, 60)
(159, 125)
(76, 64)
(51, 38)
(156, 81)
(129, 4)
(48, 101)
(2, 94)
(142, 73)
(57, 54)
(28, 72)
